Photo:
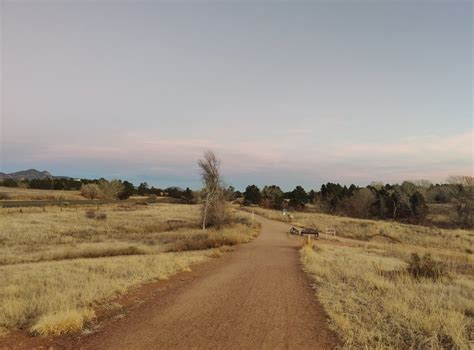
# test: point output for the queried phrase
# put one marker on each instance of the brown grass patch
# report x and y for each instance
(55, 264)
(374, 302)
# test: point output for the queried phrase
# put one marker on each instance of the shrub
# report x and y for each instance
(110, 189)
(425, 267)
(90, 191)
(218, 215)
(90, 214)
(93, 214)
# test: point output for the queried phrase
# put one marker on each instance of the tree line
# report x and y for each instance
(101, 188)
(406, 202)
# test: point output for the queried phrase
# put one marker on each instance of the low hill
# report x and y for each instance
(30, 174)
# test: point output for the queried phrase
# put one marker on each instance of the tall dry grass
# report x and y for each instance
(57, 265)
(372, 296)
(33, 293)
(27, 194)
(373, 302)
(37, 235)
(366, 230)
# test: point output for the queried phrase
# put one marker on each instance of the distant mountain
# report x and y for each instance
(29, 175)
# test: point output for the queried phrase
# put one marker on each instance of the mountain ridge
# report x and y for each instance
(30, 174)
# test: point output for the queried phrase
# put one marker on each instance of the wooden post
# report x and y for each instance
(309, 239)
(331, 231)
(253, 218)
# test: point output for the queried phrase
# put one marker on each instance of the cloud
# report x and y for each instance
(153, 155)
(428, 147)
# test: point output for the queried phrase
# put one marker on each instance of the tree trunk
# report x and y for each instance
(204, 218)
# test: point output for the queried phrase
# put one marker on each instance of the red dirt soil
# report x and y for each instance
(257, 297)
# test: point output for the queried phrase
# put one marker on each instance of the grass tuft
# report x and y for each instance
(62, 322)
(425, 267)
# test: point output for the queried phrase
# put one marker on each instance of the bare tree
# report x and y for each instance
(463, 198)
(214, 205)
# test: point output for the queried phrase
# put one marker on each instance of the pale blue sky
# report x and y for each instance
(284, 92)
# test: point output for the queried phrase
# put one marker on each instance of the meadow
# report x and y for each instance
(364, 279)
(27, 194)
(378, 230)
(58, 264)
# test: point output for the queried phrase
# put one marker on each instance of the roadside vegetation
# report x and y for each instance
(398, 274)
(58, 265)
(388, 284)
(460, 240)
(381, 297)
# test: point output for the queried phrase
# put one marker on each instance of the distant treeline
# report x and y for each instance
(101, 188)
(406, 202)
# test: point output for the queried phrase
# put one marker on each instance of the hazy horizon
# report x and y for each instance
(285, 93)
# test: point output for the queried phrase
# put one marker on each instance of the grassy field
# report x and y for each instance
(27, 194)
(58, 265)
(372, 298)
(372, 230)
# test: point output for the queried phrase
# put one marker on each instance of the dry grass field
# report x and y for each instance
(58, 265)
(28, 194)
(372, 298)
(372, 230)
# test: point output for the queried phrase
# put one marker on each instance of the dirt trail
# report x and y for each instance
(258, 298)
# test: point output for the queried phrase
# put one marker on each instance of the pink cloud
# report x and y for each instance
(431, 146)
(428, 157)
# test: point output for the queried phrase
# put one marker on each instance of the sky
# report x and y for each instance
(284, 92)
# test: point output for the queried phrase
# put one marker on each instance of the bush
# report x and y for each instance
(218, 214)
(110, 189)
(90, 191)
(93, 214)
(90, 214)
(425, 267)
